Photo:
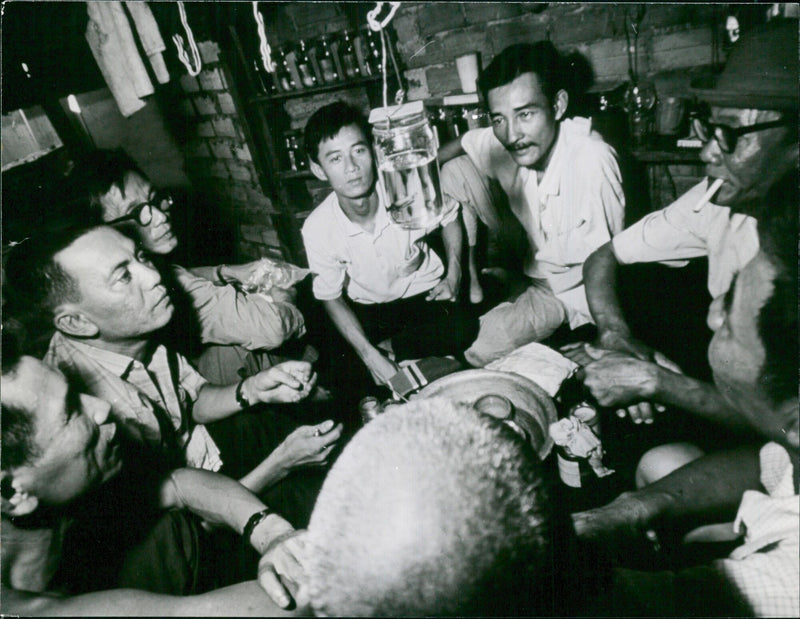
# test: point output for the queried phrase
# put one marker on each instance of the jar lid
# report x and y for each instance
(393, 113)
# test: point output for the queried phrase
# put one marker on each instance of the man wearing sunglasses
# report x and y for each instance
(750, 141)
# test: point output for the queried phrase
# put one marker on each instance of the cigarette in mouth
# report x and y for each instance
(707, 195)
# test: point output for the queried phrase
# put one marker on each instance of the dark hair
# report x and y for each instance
(777, 321)
(541, 58)
(327, 121)
(35, 284)
(18, 425)
(96, 172)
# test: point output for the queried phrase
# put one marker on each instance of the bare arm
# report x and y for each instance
(448, 288)
(451, 150)
(242, 600)
(221, 500)
(290, 381)
(600, 280)
(347, 323)
(706, 490)
(619, 379)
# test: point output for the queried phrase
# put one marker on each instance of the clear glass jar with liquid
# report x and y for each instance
(406, 149)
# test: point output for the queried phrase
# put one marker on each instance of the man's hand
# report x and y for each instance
(381, 368)
(615, 379)
(280, 570)
(290, 381)
(309, 445)
(241, 273)
(626, 343)
(624, 522)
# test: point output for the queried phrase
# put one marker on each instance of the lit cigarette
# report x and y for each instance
(707, 195)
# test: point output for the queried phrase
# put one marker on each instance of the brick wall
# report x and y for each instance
(220, 164)
(674, 38)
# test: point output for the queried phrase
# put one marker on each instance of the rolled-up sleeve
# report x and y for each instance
(675, 233)
(228, 316)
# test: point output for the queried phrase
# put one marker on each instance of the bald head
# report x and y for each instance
(432, 509)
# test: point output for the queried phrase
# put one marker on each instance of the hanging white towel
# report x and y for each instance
(150, 37)
(111, 41)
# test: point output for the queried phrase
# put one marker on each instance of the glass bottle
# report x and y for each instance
(374, 51)
(349, 58)
(282, 73)
(326, 63)
(406, 149)
(304, 66)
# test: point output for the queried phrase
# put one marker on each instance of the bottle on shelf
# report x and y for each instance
(282, 74)
(374, 56)
(291, 155)
(264, 82)
(336, 52)
(304, 66)
(291, 62)
(360, 47)
(349, 58)
(326, 63)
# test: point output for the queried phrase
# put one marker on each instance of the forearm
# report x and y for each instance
(453, 239)
(349, 326)
(600, 280)
(702, 399)
(244, 599)
(215, 402)
(268, 472)
(706, 490)
(451, 150)
(210, 273)
(221, 500)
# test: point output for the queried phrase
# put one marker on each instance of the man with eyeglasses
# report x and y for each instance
(750, 141)
(237, 329)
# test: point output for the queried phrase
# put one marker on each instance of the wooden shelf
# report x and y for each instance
(292, 174)
(343, 85)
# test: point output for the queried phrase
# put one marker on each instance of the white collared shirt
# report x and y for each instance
(682, 231)
(577, 207)
(388, 264)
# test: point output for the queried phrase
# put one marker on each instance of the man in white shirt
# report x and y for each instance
(750, 143)
(563, 185)
(377, 280)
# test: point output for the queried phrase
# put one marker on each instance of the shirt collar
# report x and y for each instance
(551, 180)
(353, 229)
(118, 364)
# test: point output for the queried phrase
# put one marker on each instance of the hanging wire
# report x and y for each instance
(380, 26)
(263, 45)
(194, 64)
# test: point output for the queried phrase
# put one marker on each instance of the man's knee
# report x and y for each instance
(663, 460)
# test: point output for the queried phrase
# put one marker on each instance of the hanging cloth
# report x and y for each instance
(111, 41)
(150, 38)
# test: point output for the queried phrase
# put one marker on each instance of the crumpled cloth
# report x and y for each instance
(540, 363)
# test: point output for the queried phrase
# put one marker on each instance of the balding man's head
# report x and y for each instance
(431, 509)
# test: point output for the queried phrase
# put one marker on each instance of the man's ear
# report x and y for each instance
(15, 501)
(561, 103)
(70, 320)
(317, 170)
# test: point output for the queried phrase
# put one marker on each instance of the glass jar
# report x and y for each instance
(406, 150)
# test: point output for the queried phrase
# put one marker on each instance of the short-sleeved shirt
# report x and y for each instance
(388, 264)
(687, 229)
(152, 401)
(577, 207)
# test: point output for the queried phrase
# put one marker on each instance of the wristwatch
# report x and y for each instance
(252, 522)
(241, 398)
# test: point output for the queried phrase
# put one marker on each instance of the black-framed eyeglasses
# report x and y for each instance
(142, 213)
(727, 136)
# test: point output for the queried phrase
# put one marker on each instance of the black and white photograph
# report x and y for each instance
(399, 309)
